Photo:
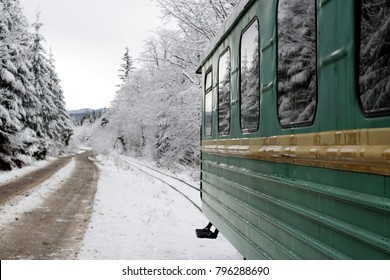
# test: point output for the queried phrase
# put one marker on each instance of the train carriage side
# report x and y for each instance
(295, 139)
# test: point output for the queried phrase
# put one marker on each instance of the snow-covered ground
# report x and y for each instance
(138, 217)
(135, 216)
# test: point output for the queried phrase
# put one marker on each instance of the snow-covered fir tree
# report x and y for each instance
(126, 67)
(53, 123)
(62, 122)
(16, 91)
(27, 101)
(47, 112)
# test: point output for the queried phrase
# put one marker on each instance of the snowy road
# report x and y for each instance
(45, 213)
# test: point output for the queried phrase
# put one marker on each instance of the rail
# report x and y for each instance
(163, 178)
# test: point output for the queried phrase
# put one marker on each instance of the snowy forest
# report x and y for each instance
(156, 111)
(34, 122)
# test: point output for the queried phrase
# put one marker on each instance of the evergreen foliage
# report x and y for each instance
(126, 68)
(33, 118)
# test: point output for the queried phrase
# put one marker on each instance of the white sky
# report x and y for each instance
(88, 39)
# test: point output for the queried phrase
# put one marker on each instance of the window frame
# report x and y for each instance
(358, 34)
(246, 28)
(227, 50)
(208, 91)
(304, 123)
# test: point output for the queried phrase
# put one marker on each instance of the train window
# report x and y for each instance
(250, 78)
(224, 93)
(374, 52)
(208, 113)
(209, 81)
(297, 74)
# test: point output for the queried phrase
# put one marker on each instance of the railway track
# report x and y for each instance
(188, 191)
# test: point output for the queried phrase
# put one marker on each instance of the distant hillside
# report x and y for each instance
(80, 115)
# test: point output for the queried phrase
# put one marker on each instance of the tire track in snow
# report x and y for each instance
(31, 180)
(29, 198)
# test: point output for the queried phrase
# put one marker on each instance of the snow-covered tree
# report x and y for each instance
(126, 67)
(46, 120)
(157, 112)
(129, 115)
(198, 22)
(29, 104)
(16, 91)
(201, 17)
(62, 122)
(176, 54)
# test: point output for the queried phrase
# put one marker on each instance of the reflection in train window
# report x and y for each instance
(250, 78)
(297, 82)
(208, 104)
(374, 67)
(224, 93)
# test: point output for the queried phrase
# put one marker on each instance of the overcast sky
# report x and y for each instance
(88, 39)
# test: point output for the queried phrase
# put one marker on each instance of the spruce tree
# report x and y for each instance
(33, 118)
(16, 90)
(126, 68)
(56, 124)
(63, 122)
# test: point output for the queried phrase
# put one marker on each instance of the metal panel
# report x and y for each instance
(295, 218)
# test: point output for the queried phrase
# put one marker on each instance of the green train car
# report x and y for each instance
(295, 138)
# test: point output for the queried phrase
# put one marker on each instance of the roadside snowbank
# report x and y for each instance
(13, 175)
